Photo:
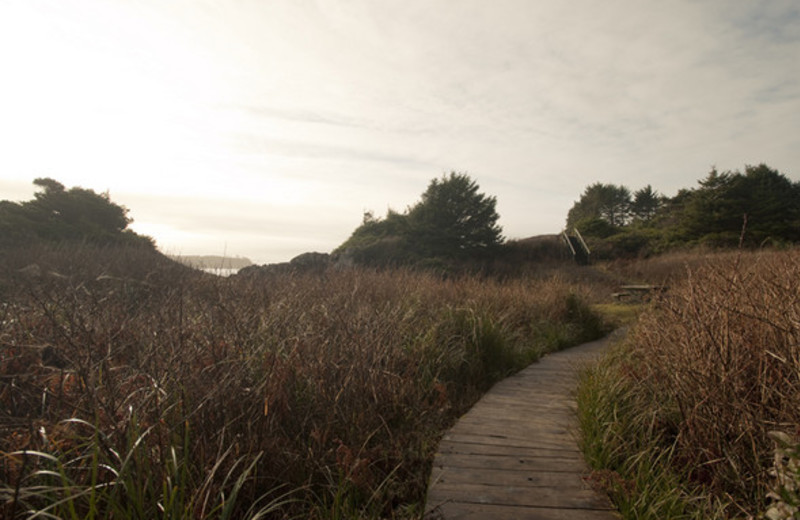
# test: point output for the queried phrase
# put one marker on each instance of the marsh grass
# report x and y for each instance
(667, 269)
(618, 314)
(135, 388)
(690, 398)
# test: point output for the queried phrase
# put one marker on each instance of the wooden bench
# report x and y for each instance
(639, 292)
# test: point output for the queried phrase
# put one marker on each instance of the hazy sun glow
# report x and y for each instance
(120, 95)
(270, 126)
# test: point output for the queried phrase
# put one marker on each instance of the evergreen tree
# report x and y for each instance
(454, 220)
(755, 206)
(57, 214)
(646, 203)
(608, 202)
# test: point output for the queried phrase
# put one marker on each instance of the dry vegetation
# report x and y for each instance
(665, 269)
(135, 388)
(678, 417)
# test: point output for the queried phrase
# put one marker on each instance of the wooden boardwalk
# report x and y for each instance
(514, 455)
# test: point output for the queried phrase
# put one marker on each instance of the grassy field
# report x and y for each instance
(136, 388)
(697, 413)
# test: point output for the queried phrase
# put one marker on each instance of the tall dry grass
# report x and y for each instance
(705, 374)
(156, 391)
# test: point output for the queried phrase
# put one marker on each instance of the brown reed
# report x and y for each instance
(712, 367)
(137, 391)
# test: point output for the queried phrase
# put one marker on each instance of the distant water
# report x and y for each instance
(219, 271)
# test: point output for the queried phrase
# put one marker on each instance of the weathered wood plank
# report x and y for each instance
(455, 447)
(521, 428)
(572, 462)
(520, 442)
(508, 477)
(458, 511)
(572, 498)
(506, 407)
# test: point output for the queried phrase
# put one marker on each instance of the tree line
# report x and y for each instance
(455, 225)
(752, 208)
(452, 224)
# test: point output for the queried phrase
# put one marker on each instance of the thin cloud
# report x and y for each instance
(304, 116)
(281, 110)
(323, 152)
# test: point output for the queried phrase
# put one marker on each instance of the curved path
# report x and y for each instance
(514, 455)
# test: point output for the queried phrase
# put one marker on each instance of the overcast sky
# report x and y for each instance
(265, 128)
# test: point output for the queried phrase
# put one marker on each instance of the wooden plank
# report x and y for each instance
(550, 424)
(522, 430)
(521, 425)
(568, 462)
(541, 402)
(643, 288)
(507, 477)
(503, 440)
(469, 448)
(519, 496)
(522, 413)
(461, 511)
(513, 397)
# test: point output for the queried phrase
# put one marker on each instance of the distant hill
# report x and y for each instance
(539, 239)
(212, 261)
